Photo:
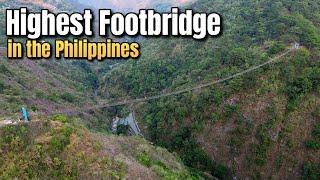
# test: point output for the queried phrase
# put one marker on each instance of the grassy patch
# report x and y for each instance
(161, 169)
(2, 87)
(314, 141)
(60, 139)
(61, 118)
(311, 171)
(53, 154)
(239, 135)
(4, 70)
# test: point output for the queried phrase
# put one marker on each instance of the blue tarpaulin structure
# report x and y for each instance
(25, 115)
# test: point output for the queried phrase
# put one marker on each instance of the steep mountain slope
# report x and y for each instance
(261, 125)
(134, 5)
(35, 5)
(59, 148)
(44, 86)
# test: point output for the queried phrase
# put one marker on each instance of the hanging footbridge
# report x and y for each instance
(124, 101)
(131, 122)
(197, 87)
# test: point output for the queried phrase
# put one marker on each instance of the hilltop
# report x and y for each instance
(60, 148)
(135, 5)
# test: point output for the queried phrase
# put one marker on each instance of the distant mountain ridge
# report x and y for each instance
(134, 5)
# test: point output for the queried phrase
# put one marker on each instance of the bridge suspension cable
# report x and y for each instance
(198, 87)
(162, 95)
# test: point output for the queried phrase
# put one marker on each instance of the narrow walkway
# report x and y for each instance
(106, 104)
(198, 87)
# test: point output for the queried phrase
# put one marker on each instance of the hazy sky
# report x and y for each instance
(129, 4)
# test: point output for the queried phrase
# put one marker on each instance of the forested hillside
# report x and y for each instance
(261, 125)
(61, 141)
(46, 86)
(59, 147)
(135, 5)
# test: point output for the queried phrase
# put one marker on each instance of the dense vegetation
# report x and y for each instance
(60, 148)
(40, 150)
(253, 31)
(262, 125)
